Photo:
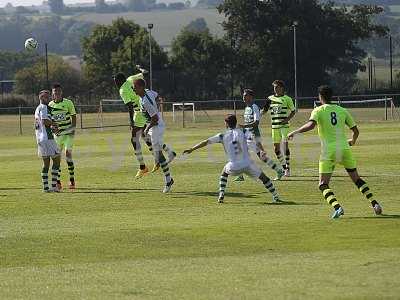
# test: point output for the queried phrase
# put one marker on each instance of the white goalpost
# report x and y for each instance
(387, 104)
(181, 105)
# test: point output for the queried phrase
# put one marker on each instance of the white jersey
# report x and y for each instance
(235, 145)
(149, 105)
(43, 133)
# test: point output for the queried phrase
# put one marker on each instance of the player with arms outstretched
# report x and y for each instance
(47, 147)
(332, 120)
(234, 141)
(155, 128)
(62, 111)
(282, 111)
(252, 118)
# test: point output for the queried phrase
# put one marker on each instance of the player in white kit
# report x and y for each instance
(234, 141)
(47, 147)
(155, 128)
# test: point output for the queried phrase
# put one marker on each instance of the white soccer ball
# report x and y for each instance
(31, 44)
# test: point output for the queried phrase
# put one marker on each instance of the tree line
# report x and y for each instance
(256, 49)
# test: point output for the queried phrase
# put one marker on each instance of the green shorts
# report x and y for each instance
(328, 161)
(65, 141)
(279, 134)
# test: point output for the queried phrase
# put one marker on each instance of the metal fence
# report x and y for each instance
(192, 113)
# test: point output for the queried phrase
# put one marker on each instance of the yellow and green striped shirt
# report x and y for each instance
(280, 107)
(61, 113)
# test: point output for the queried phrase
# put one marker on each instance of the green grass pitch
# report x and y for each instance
(117, 238)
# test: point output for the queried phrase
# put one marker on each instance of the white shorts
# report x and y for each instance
(251, 170)
(48, 148)
(156, 134)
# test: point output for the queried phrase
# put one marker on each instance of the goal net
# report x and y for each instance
(369, 109)
(112, 113)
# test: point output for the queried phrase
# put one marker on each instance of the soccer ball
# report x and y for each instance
(31, 44)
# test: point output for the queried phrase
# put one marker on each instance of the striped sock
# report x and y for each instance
(329, 196)
(222, 183)
(364, 189)
(45, 179)
(269, 162)
(71, 169)
(270, 187)
(287, 159)
(54, 177)
(165, 168)
(280, 158)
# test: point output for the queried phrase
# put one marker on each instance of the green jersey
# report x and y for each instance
(128, 95)
(280, 108)
(332, 121)
(61, 113)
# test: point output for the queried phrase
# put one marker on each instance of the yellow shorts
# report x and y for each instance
(65, 141)
(280, 134)
(344, 157)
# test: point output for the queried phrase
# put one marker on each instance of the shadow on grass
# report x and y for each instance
(382, 216)
(215, 194)
(104, 189)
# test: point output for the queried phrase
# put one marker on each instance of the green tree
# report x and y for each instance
(327, 40)
(30, 80)
(198, 24)
(201, 62)
(11, 62)
(107, 50)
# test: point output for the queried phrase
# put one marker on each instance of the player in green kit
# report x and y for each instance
(63, 114)
(137, 118)
(282, 111)
(332, 120)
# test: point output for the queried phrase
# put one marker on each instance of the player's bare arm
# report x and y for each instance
(354, 136)
(195, 147)
(310, 125)
(289, 117)
(129, 105)
(153, 122)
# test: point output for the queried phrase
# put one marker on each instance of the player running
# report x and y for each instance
(251, 122)
(47, 147)
(155, 128)
(234, 141)
(335, 148)
(63, 114)
(282, 111)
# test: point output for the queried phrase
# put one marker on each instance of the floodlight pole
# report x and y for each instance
(391, 60)
(294, 25)
(150, 27)
(47, 66)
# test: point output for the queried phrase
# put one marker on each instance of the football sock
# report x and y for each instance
(222, 182)
(138, 152)
(167, 148)
(270, 186)
(54, 176)
(329, 196)
(364, 189)
(45, 179)
(71, 169)
(269, 162)
(165, 168)
(279, 156)
(287, 159)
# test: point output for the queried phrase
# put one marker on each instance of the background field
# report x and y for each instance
(117, 238)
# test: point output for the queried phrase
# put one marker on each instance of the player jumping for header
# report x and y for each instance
(331, 120)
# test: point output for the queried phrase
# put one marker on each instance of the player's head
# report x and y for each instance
(44, 96)
(248, 96)
(119, 79)
(230, 121)
(139, 85)
(56, 91)
(279, 87)
(325, 94)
